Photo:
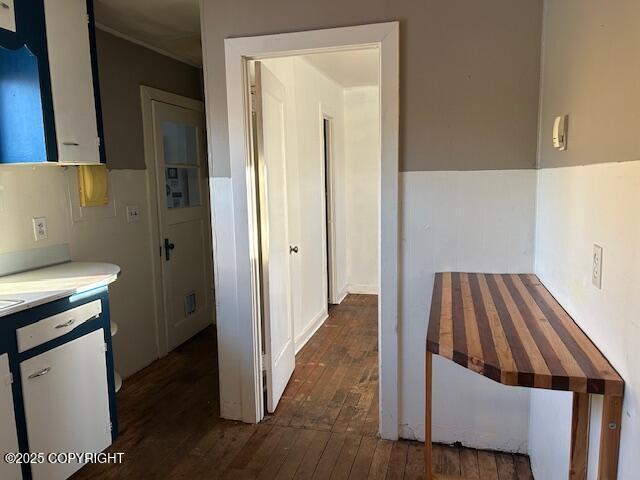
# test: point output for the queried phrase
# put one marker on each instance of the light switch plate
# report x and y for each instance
(596, 272)
(133, 213)
(40, 231)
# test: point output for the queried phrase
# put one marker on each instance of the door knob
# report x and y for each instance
(293, 249)
(168, 246)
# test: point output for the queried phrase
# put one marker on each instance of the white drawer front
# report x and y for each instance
(56, 326)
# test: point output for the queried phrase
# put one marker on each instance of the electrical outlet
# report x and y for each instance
(596, 272)
(133, 213)
(40, 231)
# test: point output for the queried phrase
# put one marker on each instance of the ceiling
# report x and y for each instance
(171, 26)
(350, 69)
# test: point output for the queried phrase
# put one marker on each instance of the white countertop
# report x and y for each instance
(44, 285)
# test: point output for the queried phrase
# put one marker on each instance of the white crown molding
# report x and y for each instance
(146, 45)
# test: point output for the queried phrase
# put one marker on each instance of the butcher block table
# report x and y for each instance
(510, 329)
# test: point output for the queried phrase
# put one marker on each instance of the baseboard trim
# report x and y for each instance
(302, 339)
(341, 296)
(363, 289)
(469, 438)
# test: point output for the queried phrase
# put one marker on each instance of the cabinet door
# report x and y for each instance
(67, 25)
(8, 436)
(66, 402)
(7, 15)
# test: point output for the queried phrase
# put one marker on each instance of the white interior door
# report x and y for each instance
(8, 435)
(183, 218)
(66, 403)
(274, 233)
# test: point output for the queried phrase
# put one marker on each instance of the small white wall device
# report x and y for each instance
(7, 15)
(560, 132)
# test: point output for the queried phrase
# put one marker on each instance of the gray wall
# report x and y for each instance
(591, 71)
(469, 73)
(123, 67)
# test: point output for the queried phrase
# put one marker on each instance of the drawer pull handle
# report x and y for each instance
(71, 144)
(42, 372)
(66, 324)
(4, 5)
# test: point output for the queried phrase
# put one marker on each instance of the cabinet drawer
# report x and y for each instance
(56, 326)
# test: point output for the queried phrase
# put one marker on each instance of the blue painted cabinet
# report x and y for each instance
(49, 92)
(60, 363)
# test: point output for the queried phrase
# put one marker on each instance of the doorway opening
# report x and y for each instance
(236, 254)
(316, 138)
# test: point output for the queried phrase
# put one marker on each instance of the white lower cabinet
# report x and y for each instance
(66, 403)
(8, 435)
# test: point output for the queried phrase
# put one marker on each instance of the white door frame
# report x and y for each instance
(238, 51)
(147, 95)
(328, 201)
(242, 306)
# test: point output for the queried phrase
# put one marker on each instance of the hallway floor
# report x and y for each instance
(324, 427)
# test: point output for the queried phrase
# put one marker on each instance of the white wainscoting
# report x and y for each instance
(460, 221)
(577, 207)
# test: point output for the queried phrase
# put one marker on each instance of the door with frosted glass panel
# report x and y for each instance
(183, 213)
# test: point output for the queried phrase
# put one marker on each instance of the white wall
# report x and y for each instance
(316, 94)
(590, 71)
(93, 234)
(102, 234)
(27, 192)
(362, 165)
(460, 221)
(577, 207)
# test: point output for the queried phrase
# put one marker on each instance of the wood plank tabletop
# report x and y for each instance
(509, 328)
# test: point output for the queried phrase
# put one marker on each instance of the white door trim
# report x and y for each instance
(328, 206)
(147, 95)
(243, 302)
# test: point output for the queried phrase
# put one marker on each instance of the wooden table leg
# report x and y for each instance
(610, 437)
(428, 467)
(579, 436)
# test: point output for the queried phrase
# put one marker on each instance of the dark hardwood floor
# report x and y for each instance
(324, 427)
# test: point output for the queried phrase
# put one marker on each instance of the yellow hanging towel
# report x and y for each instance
(93, 185)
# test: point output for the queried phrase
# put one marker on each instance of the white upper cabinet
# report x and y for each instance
(7, 15)
(8, 436)
(72, 89)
